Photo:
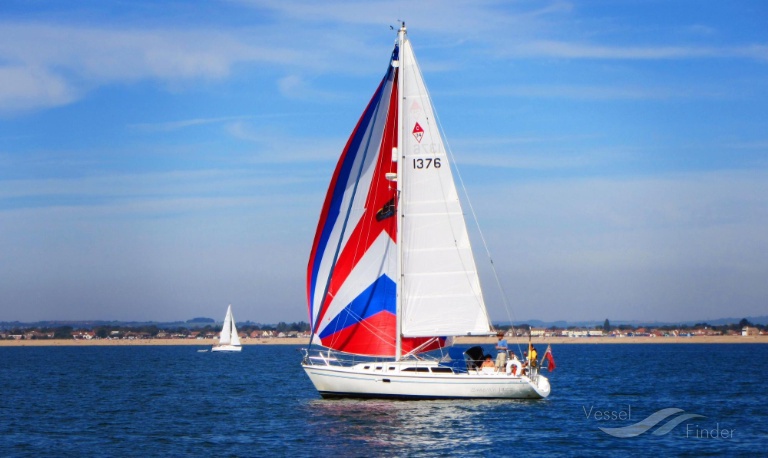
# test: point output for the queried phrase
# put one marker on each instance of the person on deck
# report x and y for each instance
(501, 348)
(534, 357)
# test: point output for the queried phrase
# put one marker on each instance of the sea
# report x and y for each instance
(607, 400)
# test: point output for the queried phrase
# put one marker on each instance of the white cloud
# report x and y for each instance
(124, 54)
(27, 88)
(45, 62)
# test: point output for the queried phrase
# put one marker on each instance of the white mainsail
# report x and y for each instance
(226, 329)
(441, 293)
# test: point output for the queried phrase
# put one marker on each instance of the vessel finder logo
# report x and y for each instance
(672, 416)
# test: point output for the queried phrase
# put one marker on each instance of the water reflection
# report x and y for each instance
(427, 426)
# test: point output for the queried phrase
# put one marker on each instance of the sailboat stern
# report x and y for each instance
(541, 386)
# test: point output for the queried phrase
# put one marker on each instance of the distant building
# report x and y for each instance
(577, 333)
(749, 331)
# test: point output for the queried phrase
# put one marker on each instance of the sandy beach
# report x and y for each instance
(637, 340)
(144, 342)
(461, 341)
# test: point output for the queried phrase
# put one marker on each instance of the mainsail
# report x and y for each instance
(441, 289)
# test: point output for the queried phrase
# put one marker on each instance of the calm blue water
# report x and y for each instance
(161, 401)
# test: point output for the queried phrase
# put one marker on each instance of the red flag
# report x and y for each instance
(550, 358)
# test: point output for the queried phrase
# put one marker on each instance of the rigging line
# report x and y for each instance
(418, 349)
(346, 219)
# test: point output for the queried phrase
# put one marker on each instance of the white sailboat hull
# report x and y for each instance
(358, 382)
(227, 348)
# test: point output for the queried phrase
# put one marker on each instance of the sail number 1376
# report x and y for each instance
(425, 163)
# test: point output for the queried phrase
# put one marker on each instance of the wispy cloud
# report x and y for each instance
(46, 65)
(182, 124)
(608, 92)
(24, 88)
(570, 50)
(297, 87)
(120, 54)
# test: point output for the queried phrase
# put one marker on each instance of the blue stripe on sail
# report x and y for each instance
(345, 179)
(378, 297)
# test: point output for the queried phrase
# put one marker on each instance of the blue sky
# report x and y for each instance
(160, 160)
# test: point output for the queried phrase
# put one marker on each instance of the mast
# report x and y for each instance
(398, 155)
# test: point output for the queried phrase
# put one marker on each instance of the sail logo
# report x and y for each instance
(418, 132)
(673, 415)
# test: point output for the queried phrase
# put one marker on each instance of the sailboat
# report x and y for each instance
(391, 277)
(228, 339)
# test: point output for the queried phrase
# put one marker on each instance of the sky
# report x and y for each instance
(161, 160)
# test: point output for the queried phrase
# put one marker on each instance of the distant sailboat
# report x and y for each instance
(228, 340)
(391, 273)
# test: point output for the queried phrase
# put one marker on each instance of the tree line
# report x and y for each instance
(151, 330)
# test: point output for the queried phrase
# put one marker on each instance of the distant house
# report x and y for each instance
(749, 331)
(83, 335)
(578, 333)
(38, 335)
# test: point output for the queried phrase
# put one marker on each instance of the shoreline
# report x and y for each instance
(539, 341)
